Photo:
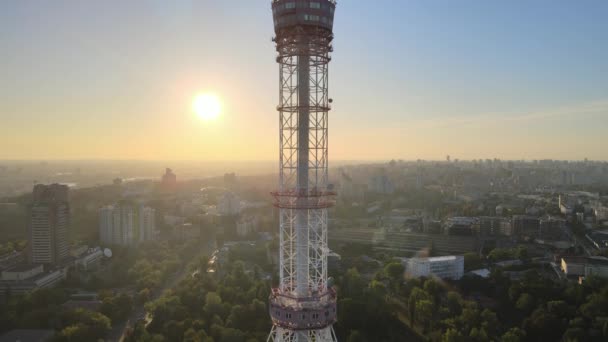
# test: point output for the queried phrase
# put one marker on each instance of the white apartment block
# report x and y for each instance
(116, 225)
(445, 267)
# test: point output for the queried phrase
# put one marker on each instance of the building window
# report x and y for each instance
(309, 17)
(290, 5)
(316, 5)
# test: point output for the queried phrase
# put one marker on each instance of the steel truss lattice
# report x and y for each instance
(303, 307)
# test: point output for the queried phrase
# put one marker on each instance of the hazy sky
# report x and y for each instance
(115, 79)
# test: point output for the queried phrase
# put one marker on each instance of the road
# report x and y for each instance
(118, 331)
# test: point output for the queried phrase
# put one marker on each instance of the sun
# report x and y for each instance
(207, 106)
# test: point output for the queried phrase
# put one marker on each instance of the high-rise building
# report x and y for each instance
(168, 181)
(106, 224)
(303, 306)
(118, 222)
(48, 222)
(147, 224)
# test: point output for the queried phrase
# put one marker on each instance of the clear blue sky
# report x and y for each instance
(410, 79)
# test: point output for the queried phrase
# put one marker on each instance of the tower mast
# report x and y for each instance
(303, 307)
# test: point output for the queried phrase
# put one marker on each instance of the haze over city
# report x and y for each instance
(411, 80)
(303, 171)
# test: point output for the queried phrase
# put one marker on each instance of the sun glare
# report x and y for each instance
(206, 106)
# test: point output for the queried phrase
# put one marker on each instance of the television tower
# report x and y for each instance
(303, 307)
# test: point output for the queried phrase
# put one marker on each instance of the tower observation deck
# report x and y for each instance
(303, 306)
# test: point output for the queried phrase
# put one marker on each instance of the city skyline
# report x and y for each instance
(411, 81)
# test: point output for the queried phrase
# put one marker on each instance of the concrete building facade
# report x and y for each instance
(48, 222)
(117, 224)
(446, 267)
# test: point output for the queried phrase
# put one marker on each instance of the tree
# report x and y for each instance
(434, 288)
(575, 334)
(454, 303)
(452, 335)
(74, 333)
(489, 322)
(394, 271)
(84, 325)
(424, 313)
(352, 284)
(514, 335)
(232, 335)
(472, 261)
(356, 336)
(478, 334)
(525, 303)
(213, 304)
(416, 295)
(543, 326)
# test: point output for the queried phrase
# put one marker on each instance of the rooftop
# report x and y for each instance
(596, 260)
(439, 258)
(23, 268)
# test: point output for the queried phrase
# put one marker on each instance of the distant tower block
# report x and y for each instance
(303, 307)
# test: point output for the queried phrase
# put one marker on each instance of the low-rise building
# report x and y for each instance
(523, 225)
(551, 228)
(578, 266)
(22, 272)
(432, 226)
(11, 259)
(447, 267)
(27, 278)
(599, 240)
(461, 225)
(90, 259)
(493, 225)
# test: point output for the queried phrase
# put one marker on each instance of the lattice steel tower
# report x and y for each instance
(303, 307)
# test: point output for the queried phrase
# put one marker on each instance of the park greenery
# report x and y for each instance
(374, 303)
(130, 277)
(12, 246)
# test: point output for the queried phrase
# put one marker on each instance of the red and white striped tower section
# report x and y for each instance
(303, 307)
